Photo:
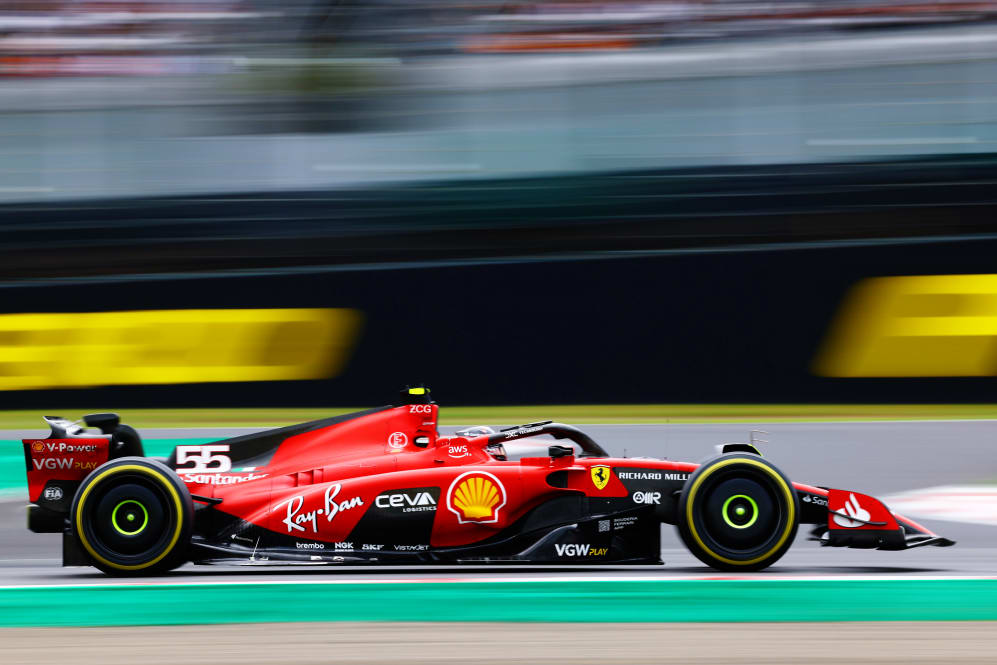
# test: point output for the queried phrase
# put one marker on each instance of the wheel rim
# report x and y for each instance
(740, 511)
(132, 514)
(130, 521)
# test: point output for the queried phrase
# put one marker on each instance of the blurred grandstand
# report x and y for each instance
(655, 110)
(153, 37)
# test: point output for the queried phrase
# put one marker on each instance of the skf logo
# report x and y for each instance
(476, 496)
(600, 476)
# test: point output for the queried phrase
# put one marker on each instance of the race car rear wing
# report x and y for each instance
(57, 464)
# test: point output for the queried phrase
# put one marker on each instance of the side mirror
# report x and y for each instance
(560, 451)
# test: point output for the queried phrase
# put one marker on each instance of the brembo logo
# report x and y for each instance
(476, 496)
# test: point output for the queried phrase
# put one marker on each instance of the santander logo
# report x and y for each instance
(854, 510)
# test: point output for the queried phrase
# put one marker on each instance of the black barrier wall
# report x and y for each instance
(719, 326)
(487, 219)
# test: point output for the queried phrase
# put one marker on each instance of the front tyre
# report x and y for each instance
(133, 516)
(738, 512)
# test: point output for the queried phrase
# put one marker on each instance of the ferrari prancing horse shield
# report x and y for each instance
(600, 476)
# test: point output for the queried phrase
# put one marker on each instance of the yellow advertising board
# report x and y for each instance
(936, 325)
(72, 350)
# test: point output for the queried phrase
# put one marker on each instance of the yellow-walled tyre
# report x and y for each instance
(133, 516)
(738, 512)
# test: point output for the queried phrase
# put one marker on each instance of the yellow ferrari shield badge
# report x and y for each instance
(600, 476)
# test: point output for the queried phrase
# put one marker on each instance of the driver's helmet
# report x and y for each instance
(474, 430)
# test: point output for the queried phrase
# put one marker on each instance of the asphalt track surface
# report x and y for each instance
(878, 458)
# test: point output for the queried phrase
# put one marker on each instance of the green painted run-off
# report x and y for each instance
(576, 601)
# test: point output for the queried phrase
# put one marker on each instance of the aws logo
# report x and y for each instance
(476, 496)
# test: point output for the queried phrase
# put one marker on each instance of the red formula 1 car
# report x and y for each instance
(383, 487)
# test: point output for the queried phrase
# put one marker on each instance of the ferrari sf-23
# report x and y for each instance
(382, 486)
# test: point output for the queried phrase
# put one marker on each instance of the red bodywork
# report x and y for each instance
(317, 483)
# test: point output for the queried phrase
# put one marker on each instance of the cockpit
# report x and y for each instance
(533, 440)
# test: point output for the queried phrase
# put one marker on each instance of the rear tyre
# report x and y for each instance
(738, 512)
(133, 516)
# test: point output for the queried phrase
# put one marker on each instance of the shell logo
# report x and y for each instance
(476, 496)
(38, 446)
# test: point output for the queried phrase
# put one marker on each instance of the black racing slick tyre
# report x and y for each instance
(133, 516)
(738, 512)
